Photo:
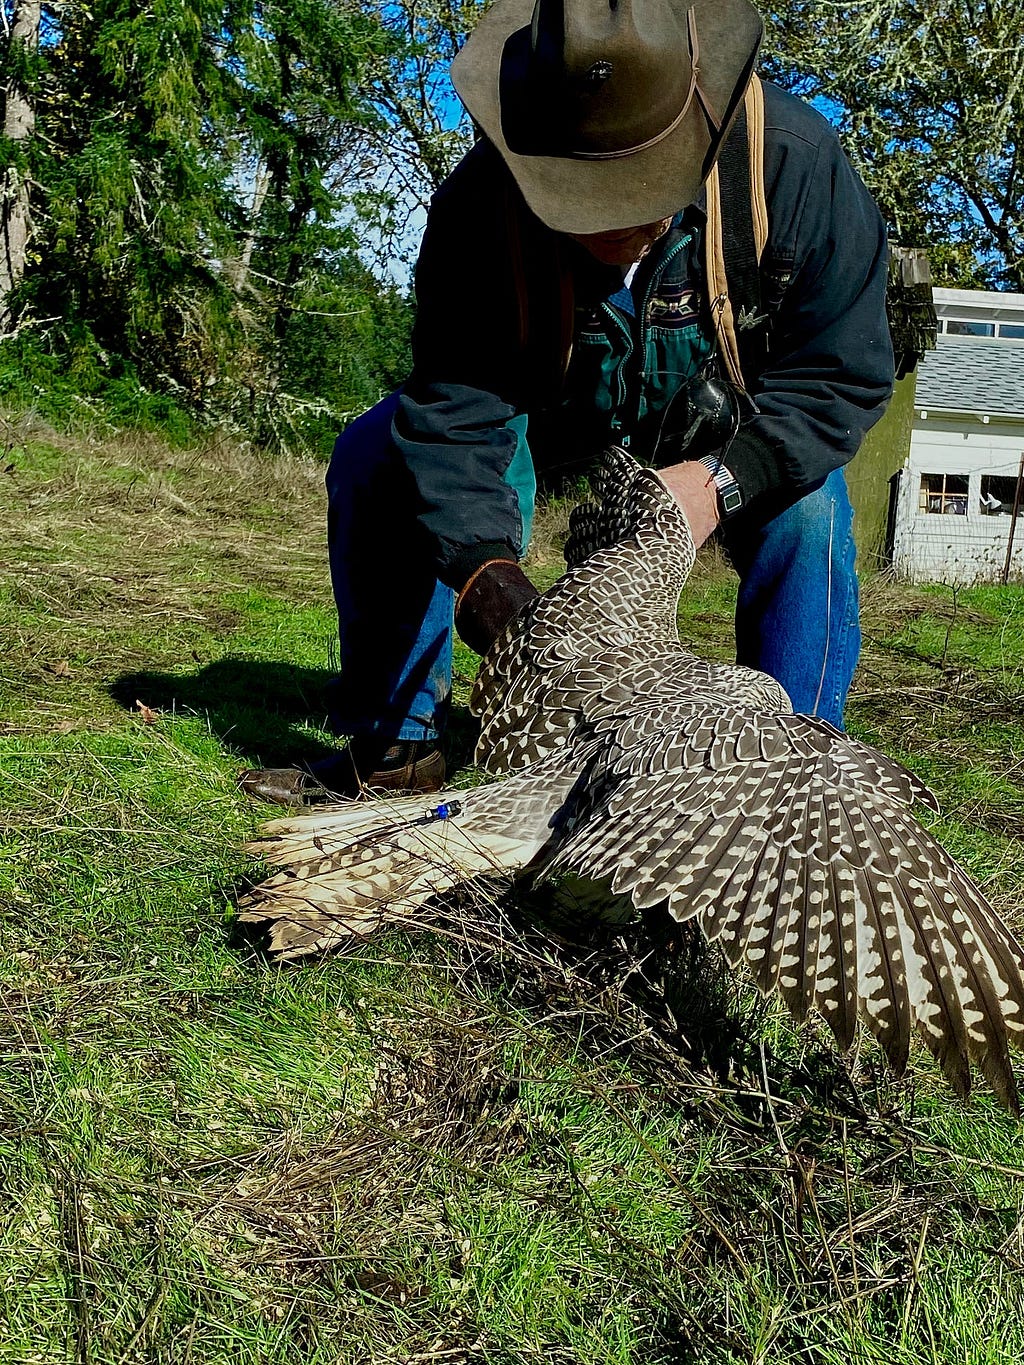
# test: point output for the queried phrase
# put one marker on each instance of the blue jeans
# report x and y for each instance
(798, 609)
(796, 614)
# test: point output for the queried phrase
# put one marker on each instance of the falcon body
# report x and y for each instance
(620, 755)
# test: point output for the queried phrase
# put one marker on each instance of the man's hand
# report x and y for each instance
(694, 490)
(495, 594)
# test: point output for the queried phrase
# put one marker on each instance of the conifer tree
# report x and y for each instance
(138, 210)
(188, 203)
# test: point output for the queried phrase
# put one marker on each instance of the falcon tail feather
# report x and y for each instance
(355, 861)
(347, 868)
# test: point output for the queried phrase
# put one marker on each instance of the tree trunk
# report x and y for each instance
(240, 269)
(19, 125)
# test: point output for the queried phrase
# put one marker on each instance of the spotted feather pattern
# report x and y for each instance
(690, 785)
(612, 515)
(613, 612)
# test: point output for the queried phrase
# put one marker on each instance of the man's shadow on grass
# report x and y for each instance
(264, 711)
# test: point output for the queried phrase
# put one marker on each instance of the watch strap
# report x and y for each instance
(730, 495)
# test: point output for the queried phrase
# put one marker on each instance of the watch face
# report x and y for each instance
(731, 500)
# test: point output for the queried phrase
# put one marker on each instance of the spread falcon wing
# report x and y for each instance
(686, 784)
(793, 848)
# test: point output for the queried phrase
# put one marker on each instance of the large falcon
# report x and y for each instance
(685, 784)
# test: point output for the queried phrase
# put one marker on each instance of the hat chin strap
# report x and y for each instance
(713, 121)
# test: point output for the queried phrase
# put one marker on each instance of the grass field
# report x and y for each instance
(490, 1143)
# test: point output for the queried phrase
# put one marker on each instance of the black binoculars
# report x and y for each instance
(702, 419)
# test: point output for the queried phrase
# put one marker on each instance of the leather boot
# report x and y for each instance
(407, 766)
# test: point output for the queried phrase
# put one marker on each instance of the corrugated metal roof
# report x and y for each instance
(973, 374)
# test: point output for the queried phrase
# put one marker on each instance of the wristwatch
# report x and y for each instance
(730, 495)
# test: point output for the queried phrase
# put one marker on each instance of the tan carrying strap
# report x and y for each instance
(714, 244)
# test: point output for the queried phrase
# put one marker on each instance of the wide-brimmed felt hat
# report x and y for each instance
(609, 113)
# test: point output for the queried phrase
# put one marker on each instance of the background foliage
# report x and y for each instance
(929, 98)
(225, 195)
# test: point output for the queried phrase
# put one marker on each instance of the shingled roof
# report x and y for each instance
(973, 374)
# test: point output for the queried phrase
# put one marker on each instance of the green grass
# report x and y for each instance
(427, 1150)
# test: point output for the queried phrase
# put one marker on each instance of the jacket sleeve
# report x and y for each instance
(829, 370)
(459, 427)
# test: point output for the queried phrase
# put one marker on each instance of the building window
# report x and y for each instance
(944, 493)
(960, 327)
(1015, 330)
(997, 494)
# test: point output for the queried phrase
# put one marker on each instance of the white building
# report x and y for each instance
(952, 504)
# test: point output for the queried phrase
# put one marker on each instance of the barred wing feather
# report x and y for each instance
(791, 846)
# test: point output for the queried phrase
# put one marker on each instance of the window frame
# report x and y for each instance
(945, 495)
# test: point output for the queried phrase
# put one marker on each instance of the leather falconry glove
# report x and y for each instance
(496, 593)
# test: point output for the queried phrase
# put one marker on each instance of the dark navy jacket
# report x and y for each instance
(480, 389)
